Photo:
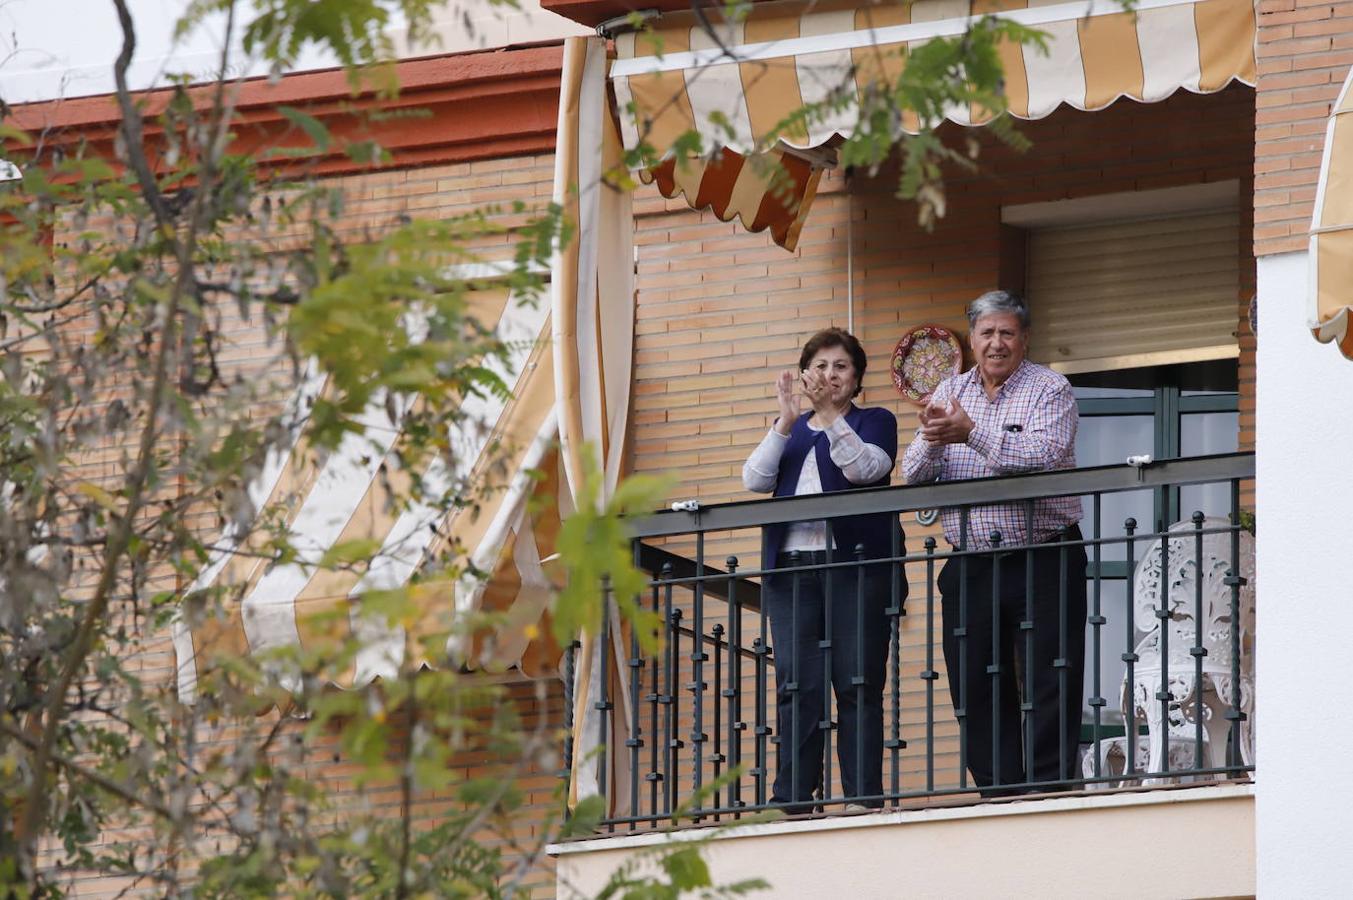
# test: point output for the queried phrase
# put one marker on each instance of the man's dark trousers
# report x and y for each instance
(988, 666)
(859, 650)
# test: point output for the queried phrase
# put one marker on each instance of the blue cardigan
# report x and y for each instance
(874, 425)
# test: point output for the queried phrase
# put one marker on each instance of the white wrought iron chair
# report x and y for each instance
(1166, 593)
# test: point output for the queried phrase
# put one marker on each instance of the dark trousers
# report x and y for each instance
(1014, 653)
(801, 620)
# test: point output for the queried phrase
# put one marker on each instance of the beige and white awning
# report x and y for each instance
(344, 496)
(1331, 248)
(570, 381)
(738, 84)
(593, 298)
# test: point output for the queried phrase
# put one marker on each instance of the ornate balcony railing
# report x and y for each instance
(689, 731)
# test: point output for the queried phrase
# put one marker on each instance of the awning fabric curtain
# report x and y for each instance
(343, 496)
(593, 299)
(571, 390)
(1331, 247)
(736, 84)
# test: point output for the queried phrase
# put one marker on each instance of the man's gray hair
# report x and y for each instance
(998, 302)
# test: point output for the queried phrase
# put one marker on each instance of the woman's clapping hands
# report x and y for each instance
(788, 403)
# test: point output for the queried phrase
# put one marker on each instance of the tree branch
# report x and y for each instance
(119, 539)
(83, 772)
(284, 295)
(406, 794)
(131, 120)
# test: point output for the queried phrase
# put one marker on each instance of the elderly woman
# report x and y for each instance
(835, 446)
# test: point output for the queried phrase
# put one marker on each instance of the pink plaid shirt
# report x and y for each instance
(1029, 427)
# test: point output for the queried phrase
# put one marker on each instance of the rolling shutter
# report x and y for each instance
(1129, 294)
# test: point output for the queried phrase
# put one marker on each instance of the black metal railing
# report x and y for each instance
(690, 730)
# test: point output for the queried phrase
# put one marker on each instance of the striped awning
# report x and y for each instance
(593, 295)
(1331, 248)
(771, 190)
(330, 499)
(570, 377)
(738, 83)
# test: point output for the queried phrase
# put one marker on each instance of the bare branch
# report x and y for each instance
(87, 774)
(119, 539)
(132, 125)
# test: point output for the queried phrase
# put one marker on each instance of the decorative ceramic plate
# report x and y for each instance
(925, 356)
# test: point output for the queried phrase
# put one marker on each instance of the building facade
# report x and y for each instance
(1157, 226)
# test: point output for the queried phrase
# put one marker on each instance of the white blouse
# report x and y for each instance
(861, 463)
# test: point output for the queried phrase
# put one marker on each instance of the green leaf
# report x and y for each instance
(586, 817)
(313, 127)
(687, 869)
(347, 553)
(367, 153)
(13, 133)
(98, 495)
(594, 545)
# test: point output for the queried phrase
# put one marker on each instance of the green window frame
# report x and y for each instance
(1167, 405)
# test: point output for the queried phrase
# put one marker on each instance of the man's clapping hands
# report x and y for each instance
(945, 424)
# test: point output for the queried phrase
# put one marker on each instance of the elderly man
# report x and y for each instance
(1022, 649)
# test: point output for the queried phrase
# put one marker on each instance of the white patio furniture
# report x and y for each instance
(1165, 590)
(1113, 762)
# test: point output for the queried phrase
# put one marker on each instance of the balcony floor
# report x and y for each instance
(1187, 841)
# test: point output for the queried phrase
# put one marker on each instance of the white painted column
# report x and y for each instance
(1304, 725)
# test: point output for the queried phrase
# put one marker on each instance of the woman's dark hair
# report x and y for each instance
(837, 337)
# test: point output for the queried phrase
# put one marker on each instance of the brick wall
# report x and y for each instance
(1305, 50)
